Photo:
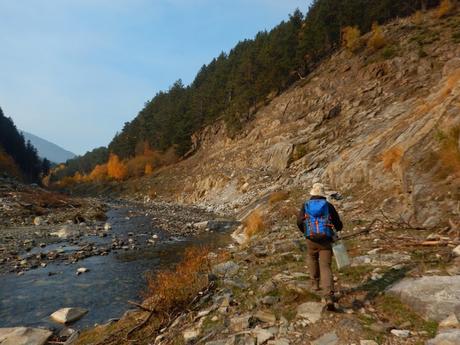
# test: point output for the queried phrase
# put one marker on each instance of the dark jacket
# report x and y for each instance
(335, 219)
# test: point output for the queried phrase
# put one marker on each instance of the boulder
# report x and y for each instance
(38, 221)
(327, 339)
(279, 155)
(449, 322)
(24, 336)
(434, 297)
(67, 315)
(311, 311)
(447, 337)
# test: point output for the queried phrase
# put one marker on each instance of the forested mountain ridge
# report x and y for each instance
(19, 157)
(234, 85)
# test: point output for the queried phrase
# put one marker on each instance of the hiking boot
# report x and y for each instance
(329, 301)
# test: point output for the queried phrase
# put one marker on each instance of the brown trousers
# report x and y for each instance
(319, 263)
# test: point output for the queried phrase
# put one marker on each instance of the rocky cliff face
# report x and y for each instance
(370, 125)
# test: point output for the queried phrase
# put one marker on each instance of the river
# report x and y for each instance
(111, 281)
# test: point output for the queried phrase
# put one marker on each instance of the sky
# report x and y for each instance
(74, 71)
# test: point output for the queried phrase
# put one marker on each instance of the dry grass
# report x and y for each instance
(392, 156)
(254, 224)
(172, 290)
(277, 196)
(417, 18)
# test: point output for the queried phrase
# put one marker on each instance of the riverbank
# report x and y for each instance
(262, 293)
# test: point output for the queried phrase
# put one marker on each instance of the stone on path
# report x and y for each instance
(368, 342)
(66, 232)
(327, 339)
(226, 269)
(240, 323)
(67, 315)
(447, 337)
(24, 336)
(37, 221)
(263, 335)
(401, 333)
(281, 341)
(311, 311)
(434, 297)
(456, 250)
(265, 316)
(190, 334)
(449, 322)
(387, 259)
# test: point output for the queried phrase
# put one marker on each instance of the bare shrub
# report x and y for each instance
(254, 224)
(278, 196)
(391, 157)
(172, 290)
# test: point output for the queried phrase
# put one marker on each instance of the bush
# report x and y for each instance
(391, 157)
(351, 38)
(445, 8)
(417, 18)
(99, 173)
(377, 40)
(254, 224)
(389, 52)
(172, 290)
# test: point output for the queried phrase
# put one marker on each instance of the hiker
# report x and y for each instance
(317, 220)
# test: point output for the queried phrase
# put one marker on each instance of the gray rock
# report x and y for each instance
(368, 342)
(434, 297)
(388, 259)
(265, 316)
(279, 155)
(226, 269)
(451, 66)
(263, 335)
(270, 300)
(281, 341)
(66, 232)
(456, 251)
(446, 337)
(401, 333)
(24, 336)
(67, 315)
(240, 323)
(38, 221)
(449, 322)
(267, 288)
(327, 339)
(311, 311)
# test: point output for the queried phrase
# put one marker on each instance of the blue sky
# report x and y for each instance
(73, 71)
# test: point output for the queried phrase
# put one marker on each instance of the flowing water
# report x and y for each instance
(112, 280)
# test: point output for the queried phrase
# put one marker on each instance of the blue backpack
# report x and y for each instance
(317, 220)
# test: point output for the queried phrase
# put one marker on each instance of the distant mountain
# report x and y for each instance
(46, 149)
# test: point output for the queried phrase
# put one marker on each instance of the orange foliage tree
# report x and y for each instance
(99, 173)
(115, 168)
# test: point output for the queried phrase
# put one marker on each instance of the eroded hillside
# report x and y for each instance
(380, 127)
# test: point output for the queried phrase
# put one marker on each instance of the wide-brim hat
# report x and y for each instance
(318, 190)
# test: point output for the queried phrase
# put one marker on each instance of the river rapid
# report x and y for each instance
(112, 279)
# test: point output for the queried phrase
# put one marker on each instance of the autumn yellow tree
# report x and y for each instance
(115, 168)
(377, 39)
(350, 38)
(148, 169)
(445, 8)
(99, 172)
